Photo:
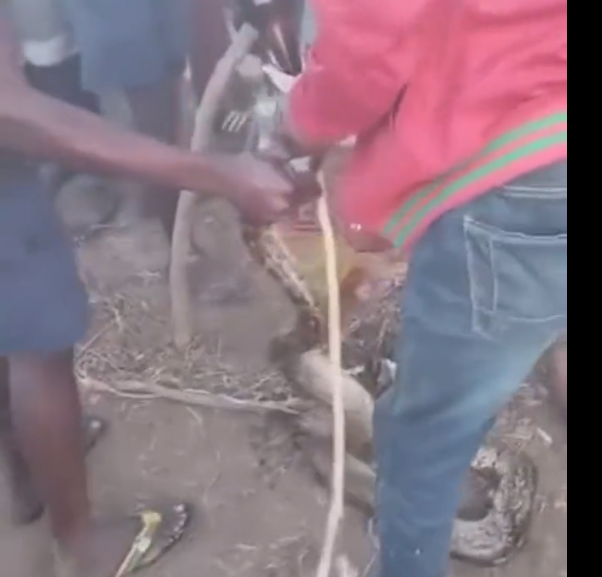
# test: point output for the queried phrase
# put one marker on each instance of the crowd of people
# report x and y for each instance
(460, 110)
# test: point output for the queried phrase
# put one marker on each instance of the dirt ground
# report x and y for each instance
(261, 511)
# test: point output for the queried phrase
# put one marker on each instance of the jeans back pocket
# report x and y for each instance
(518, 281)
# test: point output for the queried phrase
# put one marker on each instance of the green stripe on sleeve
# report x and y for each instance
(529, 129)
(482, 172)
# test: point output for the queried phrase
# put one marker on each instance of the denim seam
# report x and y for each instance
(494, 272)
(519, 188)
(536, 193)
(497, 234)
(476, 309)
(528, 321)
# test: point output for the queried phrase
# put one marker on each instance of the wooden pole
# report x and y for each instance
(181, 297)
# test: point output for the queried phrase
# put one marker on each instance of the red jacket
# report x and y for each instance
(450, 98)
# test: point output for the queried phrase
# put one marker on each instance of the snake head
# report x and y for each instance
(306, 336)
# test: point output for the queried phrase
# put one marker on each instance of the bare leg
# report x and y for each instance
(25, 503)
(156, 112)
(47, 416)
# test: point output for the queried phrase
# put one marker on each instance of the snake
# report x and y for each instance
(512, 477)
(292, 255)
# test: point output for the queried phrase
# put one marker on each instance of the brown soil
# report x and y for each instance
(261, 511)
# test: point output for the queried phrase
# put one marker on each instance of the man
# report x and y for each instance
(139, 48)
(52, 64)
(461, 112)
(43, 309)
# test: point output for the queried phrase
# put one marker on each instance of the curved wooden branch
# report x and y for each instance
(181, 298)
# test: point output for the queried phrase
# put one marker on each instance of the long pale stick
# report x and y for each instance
(337, 507)
(181, 299)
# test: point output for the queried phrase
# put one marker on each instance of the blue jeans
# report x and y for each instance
(486, 296)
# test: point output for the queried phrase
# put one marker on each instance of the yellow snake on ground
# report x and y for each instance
(293, 255)
(295, 260)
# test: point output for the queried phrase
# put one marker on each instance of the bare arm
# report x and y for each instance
(43, 128)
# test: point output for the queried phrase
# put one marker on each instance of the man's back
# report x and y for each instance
(473, 74)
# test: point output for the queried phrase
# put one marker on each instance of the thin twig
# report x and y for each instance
(95, 338)
(146, 391)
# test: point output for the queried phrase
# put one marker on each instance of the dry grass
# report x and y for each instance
(131, 354)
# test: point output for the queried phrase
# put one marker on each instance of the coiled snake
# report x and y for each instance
(293, 258)
(292, 254)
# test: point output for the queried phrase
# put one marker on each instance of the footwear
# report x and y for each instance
(160, 529)
(159, 533)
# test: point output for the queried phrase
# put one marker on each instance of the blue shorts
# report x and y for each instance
(128, 43)
(43, 303)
